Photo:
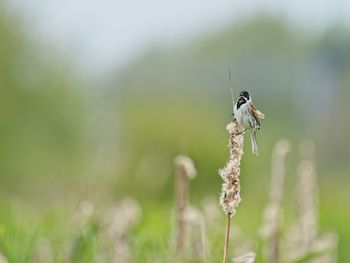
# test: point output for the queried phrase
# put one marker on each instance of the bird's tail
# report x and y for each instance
(254, 144)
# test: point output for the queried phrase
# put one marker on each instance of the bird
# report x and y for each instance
(248, 117)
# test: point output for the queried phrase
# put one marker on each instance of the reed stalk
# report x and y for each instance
(230, 193)
(227, 237)
(185, 171)
(270, 231)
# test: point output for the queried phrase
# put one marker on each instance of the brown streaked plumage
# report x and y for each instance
(258, 116)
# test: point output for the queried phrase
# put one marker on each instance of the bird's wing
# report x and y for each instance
(260, 114)
(255, 113)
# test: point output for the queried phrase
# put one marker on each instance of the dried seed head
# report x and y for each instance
(187, 164)
(114, 237)
(83, 215)
(307, 202)
(326, 242)
(303, 240)
(122, 218)
(230, 193)
(248, 257)
(307, 194)
(272, 213)
(3, 259)
(185, 171)
(195, 239)
(43, 251)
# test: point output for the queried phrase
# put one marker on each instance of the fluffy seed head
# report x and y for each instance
(248, 257)
(187, 164)
(230, 193)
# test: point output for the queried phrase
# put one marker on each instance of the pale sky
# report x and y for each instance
(106, 33)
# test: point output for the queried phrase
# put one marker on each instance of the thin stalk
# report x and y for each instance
(182, 201)
(227, 237)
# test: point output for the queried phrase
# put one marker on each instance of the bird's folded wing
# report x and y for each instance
(260, 114)
(256, 114)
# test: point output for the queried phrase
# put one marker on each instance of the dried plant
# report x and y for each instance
(323, 249)
(3, 259)
(195, 239)
(43, 251)
(84, 228)
(248, 257)
(83, 215)
(116, 227)
(304, 241)
(230, 193)
(212, 213)
(308, 195)
(185, 171)
(272, 213)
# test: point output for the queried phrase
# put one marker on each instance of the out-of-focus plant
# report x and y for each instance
(41, 108)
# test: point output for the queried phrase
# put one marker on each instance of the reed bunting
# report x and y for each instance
(248, 117)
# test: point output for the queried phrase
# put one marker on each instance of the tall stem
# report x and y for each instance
(182, 200)
(227, 237)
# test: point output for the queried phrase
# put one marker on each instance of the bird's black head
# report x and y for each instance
(244, 94)
(241, 100)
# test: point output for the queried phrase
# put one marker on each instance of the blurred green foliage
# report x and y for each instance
(41, 109)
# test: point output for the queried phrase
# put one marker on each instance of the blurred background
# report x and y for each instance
(98, 97)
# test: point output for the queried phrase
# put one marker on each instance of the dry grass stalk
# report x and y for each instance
(80, 228)
(325, 247)
(195, 239)
(302, 235)
(248, 257)
(117, 225)
(83, 215)
(230, 193)
(308, 195)
(272, 213)
(185, 171)
(3, 259)
(43, 252)
(211, 211)
(304, 241)
(322, 250)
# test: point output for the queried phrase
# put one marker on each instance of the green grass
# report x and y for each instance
(22, 225)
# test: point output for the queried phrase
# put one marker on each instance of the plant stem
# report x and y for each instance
(227, 237)
(182, 202)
